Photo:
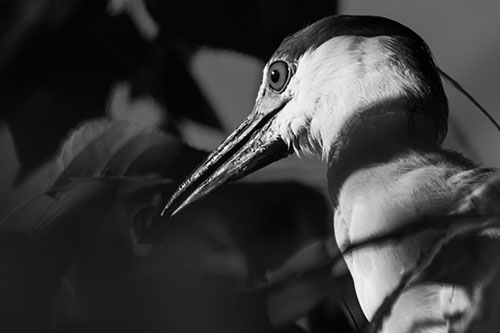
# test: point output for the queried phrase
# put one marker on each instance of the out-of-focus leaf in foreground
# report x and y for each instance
(313, 255)
(302, 287)
(118, 149)
(113, 160)
(39, 243)
(61, 59)
(44, 210)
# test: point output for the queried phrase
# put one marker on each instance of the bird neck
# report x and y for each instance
(376, 137)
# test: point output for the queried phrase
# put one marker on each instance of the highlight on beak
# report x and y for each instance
(250, 147)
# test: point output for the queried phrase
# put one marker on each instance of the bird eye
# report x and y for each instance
(278, 75)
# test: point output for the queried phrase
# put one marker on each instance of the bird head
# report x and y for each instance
(324, 83)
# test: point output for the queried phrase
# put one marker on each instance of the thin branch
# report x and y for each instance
(457, 86)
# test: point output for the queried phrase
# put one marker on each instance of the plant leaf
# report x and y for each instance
(305, 259)
(88, 149)
(49, 83)
(255, 31)
(46, 211)
(298, 297)
(146, 152)
(116, 149)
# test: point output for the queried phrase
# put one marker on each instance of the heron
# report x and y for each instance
(364, 94)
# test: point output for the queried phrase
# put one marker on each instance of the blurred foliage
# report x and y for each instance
(91, 252)
(60, 58)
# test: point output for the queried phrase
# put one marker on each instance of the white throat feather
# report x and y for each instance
(334, 83)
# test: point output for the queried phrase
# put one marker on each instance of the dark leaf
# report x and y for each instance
(83, 230)
(150, 151)
(304, 282)
(338, 313)
(27, 282)
(89, 149)
(257, 30)
(167, 79)
(63, 57)
(294, 300)
(73, 200)
(142, 199)
(77, 209)
(118, 149)
(291, 329)
(307, 258)
(184, 97)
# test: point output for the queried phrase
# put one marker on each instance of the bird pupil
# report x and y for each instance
(275, 76)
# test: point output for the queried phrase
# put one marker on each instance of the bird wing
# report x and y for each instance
(479, 190)
(464, 276)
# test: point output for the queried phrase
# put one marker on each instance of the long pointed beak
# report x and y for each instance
(253, 145)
